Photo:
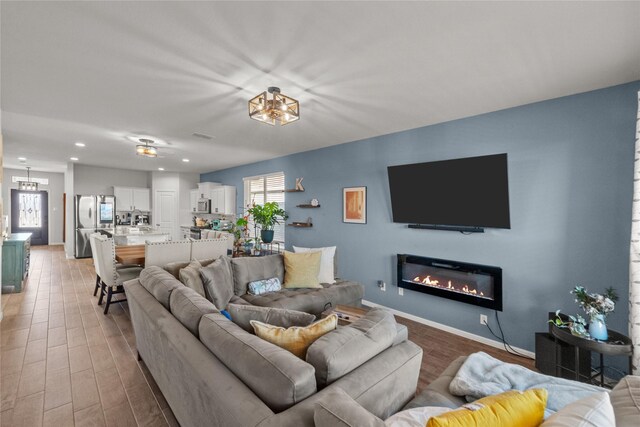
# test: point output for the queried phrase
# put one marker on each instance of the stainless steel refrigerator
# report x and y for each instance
(93, 213)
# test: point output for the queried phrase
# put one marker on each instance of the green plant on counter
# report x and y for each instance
(267, 215)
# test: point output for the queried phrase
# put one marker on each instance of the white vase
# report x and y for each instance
(598, 328)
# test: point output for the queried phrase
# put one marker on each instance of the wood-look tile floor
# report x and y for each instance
(64, 363)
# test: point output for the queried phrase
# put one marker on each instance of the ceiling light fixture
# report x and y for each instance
(28, 185)
(75, 159)
(185, 160)
(160, 169)
(279, 108)
(80, 144)
(22, 159)
(145, 149)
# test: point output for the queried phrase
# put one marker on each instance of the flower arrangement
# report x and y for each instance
(576, 324)
(596, 304)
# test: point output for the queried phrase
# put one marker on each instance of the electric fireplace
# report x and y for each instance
(475, 284)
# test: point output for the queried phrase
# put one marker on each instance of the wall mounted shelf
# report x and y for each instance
(307, 206)
(300, 224)
(292, 190)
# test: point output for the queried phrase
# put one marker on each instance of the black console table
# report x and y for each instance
(617, 345)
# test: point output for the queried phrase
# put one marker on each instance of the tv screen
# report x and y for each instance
(472, 192)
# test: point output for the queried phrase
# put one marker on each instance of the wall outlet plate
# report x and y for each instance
(483, 319)
(400, 291)
(382, 285)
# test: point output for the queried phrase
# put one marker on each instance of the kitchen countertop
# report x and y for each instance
(135, 231)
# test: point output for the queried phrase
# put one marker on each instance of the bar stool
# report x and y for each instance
(111, 279)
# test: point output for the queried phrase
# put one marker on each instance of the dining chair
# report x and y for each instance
(111, 279)
(92, 241)
(208, 249)
(161, 253)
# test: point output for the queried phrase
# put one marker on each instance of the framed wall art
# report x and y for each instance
(354, 205)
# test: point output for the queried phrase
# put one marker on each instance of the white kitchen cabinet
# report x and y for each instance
(142, 199)
(223, 200)
(124, 198)
(128, 199)
(194, 195)
(185, 232)
(206, 188)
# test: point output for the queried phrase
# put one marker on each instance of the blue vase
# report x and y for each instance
(598, 328)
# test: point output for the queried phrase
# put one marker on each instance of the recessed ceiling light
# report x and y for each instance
(75, 159)
(22, 159)
(160, 169)
(80, 144)
(185, 160)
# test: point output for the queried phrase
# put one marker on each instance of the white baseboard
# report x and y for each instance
(455, 331)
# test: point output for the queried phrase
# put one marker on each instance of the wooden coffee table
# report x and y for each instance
(346, 314)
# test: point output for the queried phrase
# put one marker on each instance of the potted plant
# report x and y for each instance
(267, 216)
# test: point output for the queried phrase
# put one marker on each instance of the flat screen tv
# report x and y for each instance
(469, 192)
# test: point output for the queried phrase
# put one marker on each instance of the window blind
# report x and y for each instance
(265, 188)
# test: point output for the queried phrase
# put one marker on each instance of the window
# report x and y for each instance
(265, 188)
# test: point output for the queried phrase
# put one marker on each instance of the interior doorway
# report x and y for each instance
(30, 214)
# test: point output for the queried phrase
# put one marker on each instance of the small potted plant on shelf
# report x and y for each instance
(267, 216)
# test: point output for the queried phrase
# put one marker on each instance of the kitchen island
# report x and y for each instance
(124, 235)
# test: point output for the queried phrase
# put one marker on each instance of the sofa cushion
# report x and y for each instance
(243, 314)
(337, 409)
(402, 334)
(301, 270)
(249, 269)
(175, 267)
(159, 283)
(340, 352)
(252, 360)
(296, 339)
(327, 270)
(188, 307)
(311, 300)
(218, 282)
(625, 398)
(593, 410)
(190, 277)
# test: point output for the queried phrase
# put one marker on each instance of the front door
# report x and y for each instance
(165, 212)
(30, 214)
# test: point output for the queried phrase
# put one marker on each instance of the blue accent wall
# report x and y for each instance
(570, 181)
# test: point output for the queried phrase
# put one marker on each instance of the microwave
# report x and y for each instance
(204, 206)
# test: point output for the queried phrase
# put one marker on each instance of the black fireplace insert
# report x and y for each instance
(475, 284)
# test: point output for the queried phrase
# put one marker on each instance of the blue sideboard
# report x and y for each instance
(16, 252)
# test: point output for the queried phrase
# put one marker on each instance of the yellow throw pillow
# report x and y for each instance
(301, 269)
(509, 409)
(295, 339)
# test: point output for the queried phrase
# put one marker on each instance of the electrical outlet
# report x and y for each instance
(382, 285)
(483, 319)
(400, 291)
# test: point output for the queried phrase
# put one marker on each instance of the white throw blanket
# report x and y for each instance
(482, 375)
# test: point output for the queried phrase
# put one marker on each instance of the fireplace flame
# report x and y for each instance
(462, 288)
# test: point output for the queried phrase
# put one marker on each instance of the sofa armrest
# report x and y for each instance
(437, 392)
(338, 409)
(625, 399)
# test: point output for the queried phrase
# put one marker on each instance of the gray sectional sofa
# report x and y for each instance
(213, 372)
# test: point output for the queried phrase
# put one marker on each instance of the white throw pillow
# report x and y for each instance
(415, 417)
(326, 262)
(594, 410)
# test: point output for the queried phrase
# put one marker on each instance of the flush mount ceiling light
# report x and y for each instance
(279, 108)
(145, 149)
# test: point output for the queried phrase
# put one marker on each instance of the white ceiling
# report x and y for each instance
(98, 72)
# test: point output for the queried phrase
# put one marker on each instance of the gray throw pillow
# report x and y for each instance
(218, 282)
(175, 267)
(242, 315)
(190, 277)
